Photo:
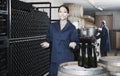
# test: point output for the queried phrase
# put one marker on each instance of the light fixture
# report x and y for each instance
(92, 2)
(99, 8)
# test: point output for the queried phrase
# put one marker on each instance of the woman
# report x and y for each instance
(62, 35)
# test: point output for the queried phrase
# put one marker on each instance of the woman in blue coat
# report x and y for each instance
(62, 35)
(105, 39)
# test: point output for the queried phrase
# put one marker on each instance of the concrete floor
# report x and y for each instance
(114, 53)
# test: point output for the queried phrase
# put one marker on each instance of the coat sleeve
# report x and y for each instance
(98, 36)
(49, 34)
(108, 40)
(74, 36)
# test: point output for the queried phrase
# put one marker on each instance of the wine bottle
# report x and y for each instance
(86, 56)
(89, 55)
(94, 57)
(80, 56)
(83, 47)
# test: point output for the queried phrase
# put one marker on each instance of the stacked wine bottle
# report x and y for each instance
(87, 56)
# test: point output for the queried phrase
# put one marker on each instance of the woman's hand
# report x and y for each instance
(72, 45)
(45, 44)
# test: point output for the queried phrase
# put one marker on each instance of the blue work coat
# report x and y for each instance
(60, 39)
(105, 40)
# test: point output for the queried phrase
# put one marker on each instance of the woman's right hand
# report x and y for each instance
(45, 44)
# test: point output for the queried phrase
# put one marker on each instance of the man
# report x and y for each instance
(105, 39)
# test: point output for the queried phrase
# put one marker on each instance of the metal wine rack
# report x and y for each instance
(22, 29)
(3, 56)
(27, 24)
(28, 58)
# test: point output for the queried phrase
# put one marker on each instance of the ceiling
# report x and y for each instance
(106, 5)
(94, 5)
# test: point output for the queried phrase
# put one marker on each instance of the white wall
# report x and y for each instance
(55, 10)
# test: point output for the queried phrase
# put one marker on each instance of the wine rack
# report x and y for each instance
(22, 29)
(28, 58)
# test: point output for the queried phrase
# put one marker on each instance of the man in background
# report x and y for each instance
(105, 39)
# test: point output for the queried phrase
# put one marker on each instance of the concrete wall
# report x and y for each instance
(115, 36)
(116, 18)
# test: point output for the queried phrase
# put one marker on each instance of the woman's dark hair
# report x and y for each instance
(64, 7)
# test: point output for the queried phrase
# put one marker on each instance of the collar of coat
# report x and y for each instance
(67, 26)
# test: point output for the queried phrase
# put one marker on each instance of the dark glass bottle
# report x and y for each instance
(94, 57)
(89, 55)
(80, 56)
(86, 56)
(83, 47)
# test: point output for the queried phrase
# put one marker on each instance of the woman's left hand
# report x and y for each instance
(72, 45)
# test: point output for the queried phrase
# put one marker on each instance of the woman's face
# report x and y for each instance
(63, 13)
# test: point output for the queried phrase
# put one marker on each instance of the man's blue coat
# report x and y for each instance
(105, 40)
